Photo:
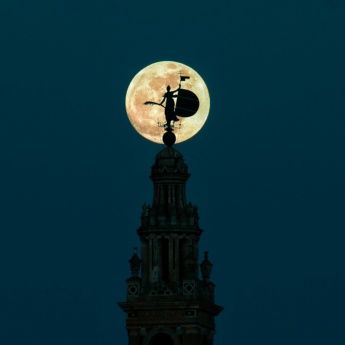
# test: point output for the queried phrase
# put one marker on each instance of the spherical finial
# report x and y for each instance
(169, 138)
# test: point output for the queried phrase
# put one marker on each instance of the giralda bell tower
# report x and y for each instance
(168, 301)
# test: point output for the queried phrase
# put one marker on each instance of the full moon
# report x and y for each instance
(150, 85)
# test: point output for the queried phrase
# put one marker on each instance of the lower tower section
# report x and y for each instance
(167, 302)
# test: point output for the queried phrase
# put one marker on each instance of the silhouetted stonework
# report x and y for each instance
(168, 303)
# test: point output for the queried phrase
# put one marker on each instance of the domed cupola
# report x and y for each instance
(169, 174)
(169, 164)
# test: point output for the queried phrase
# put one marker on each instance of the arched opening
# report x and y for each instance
(161, 339)
(205, 341)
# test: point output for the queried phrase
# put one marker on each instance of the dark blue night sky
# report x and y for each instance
(267, 168)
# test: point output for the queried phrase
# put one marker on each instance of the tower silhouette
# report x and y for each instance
(167, 302)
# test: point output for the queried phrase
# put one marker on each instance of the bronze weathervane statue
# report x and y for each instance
(187, 104)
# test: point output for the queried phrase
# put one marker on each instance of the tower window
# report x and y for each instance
(174, 252)
(165, 259)
(183, 250)
(152, 255)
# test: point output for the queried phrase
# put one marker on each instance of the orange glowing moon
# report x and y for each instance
(150, 84)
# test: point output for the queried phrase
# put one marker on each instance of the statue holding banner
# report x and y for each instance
(187, 103)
